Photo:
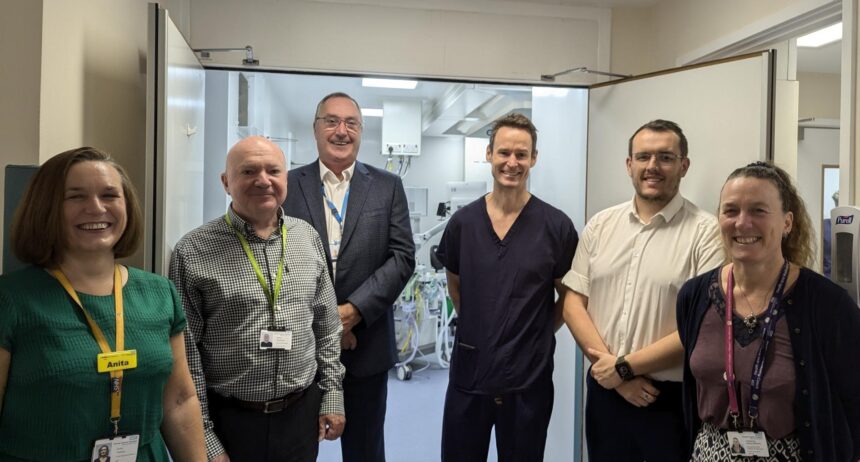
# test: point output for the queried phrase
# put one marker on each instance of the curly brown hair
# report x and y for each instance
(798, 246)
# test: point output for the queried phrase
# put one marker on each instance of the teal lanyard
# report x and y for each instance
(273, 298)
(338, 216)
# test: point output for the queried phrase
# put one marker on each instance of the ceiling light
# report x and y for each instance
(821, 37)
(554, 92)
(371, 112)
(390, 83)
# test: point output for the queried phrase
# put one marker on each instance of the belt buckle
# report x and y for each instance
(276, 405)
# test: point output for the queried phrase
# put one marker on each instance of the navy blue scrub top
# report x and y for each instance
(505, 333)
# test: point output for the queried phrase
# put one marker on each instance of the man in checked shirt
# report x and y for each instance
(264, 333)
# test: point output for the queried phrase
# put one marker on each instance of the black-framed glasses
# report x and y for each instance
(332, 122)
(663, 158)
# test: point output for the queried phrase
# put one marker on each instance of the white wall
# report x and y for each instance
(441, 160)
(20, 51)
(220, 132)
(633, 31)
(179, 164)
(687, 29)
(79, 78)
(476, 39)
(93, 87)
(278, 125)
(266, 118)
(819, 146)
(785, 125)
(819, 95)
(561, 116)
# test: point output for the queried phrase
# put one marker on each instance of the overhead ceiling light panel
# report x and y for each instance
(821, 37)
(371, 112)
(554, 92)
(390, 83)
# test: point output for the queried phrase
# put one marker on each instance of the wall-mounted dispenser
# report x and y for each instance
(845, 248)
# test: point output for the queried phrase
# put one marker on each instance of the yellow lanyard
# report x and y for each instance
(115, 375)
(272, 297)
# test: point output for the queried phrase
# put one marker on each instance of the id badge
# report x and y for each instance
(117, 449)
(334, 249)
(275, 339)
(117, 361)
(748, 444)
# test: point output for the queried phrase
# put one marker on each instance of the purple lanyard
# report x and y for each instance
(772, 315)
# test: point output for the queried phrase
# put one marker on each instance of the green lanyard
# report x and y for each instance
(273, 298)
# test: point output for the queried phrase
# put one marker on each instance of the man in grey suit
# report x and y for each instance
(362, 217)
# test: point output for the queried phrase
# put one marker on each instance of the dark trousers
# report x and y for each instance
(521, 420)
(617, 431)
(253, 436)
(364, 398)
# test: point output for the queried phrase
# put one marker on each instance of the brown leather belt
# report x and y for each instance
(266, 407)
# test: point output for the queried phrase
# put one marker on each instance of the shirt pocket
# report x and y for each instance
(464, 365)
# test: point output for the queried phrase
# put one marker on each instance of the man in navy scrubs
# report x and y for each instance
(505, 255)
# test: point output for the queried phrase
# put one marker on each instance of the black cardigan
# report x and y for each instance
(824, 327)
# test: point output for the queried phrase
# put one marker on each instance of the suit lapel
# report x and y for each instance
(310, 184)
(358, 188)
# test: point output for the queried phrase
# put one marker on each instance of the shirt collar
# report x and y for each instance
(239, 223)
(327, 176)
(666, 213)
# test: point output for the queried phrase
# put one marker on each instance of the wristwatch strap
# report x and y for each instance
(623, 368)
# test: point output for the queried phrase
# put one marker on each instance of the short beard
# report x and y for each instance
(660, 198)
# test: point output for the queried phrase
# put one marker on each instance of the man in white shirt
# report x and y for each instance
(630, 263)
(362, 216)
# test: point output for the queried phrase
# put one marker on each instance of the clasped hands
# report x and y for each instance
(638, 391)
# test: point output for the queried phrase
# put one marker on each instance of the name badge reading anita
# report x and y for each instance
(117, 361)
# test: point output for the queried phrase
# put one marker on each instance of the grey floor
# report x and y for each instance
(413, 422)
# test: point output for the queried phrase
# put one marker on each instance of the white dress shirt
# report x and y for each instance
(631, 271)
(335, 190)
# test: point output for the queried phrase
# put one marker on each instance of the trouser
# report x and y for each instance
(254, 436)
(364, 399)
(617, 431)
(521, 420)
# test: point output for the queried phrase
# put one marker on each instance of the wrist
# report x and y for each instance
(622, 367)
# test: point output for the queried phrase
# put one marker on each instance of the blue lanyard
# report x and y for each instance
(338, 216)
(772, 315)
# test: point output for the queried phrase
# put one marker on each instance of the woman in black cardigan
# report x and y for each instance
(781, 372)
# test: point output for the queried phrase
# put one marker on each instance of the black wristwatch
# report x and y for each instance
(623, 368)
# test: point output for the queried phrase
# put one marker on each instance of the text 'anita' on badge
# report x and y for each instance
(117, 361)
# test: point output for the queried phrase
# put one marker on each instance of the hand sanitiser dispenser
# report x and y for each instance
(845, 248)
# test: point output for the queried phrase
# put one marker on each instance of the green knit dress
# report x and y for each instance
(56, 403)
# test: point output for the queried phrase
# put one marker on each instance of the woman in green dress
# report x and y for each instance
(91, 352)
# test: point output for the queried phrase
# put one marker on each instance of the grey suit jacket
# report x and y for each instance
(377, 254)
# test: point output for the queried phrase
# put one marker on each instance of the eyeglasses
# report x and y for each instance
(663, 158)
(332, 122)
